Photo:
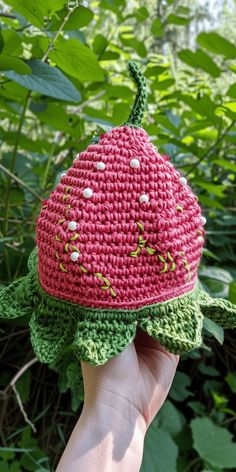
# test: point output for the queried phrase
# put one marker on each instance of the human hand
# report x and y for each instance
(139, 378)
(121, 399)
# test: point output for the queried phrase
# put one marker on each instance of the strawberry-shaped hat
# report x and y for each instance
(119, 242)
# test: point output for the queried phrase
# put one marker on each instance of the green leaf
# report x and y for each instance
(141, 14)
(23, 386)
(110, 55)
(54, 115)
(213, 443)
(160, 451)
(215, 43)
(225, 164)
(34, 12)
(231, 381)
(179, 390)
(200, 60)
(11, 43)
(55, 5)
(232, 292)
(6, 454)
(4, 467)
(228, 109)
(170, 419)
(209, 202)
(165, 122)
(217, 280)
(177, 20)
(154, 71)
(119, 113)
(164, 84)
(232, 91)
(46, 80)
(117, 91)
(217, 190)
(99, 44)
(131, 41)
(15, 64)
(77, 60)
(157, 28)
(214, 329)
(204, 106)
(183, 10)
(197, 407)
(208, 370)
(80, 17)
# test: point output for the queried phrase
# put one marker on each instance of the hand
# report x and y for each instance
(140, 377)
(121, 399)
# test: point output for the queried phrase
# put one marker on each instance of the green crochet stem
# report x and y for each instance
(136, 115)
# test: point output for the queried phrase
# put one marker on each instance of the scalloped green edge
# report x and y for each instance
(97, 335)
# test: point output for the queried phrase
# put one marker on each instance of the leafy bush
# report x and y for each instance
(64, 78)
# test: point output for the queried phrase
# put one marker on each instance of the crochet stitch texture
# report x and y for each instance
(119, 242)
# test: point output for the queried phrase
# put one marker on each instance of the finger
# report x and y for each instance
(143, 340)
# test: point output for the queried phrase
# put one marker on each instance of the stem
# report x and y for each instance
(12, 385)
(13, 162)
(20, 182)
(44, 59)
(51, 44)
(206, 154)
(49, 161)
(139, 105)
(7, 15)
(21, 372)
(193, 462)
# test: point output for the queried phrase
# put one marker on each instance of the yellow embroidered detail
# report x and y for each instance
(83, 269)
(63, 268)
(75, 249)
(73, 238)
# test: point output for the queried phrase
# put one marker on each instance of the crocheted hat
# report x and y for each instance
(119, 242)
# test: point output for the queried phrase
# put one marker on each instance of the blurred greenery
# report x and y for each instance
(64, 77)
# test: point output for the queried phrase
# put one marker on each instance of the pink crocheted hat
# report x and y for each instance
(119, 242)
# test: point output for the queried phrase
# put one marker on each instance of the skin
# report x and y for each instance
(121, 399)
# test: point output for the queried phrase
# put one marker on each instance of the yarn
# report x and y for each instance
(103, 228)
(119, 242)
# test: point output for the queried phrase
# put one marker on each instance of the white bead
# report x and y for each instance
(74, 256)
(134, 163)
(144, 198)
(203, 220)
(62, 175)
(72, 225)
(101, 166)
(200, 238)
(87, 193)
(183, 181)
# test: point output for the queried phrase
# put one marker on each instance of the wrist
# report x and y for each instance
(119, 416)
(105, 438)
(116, 433)
(115, 413)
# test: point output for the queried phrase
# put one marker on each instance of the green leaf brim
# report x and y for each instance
(96, 335)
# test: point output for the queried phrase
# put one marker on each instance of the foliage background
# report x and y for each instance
(64, 77)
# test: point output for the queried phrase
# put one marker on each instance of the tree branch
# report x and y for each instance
(209, 151)
(20, 182)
